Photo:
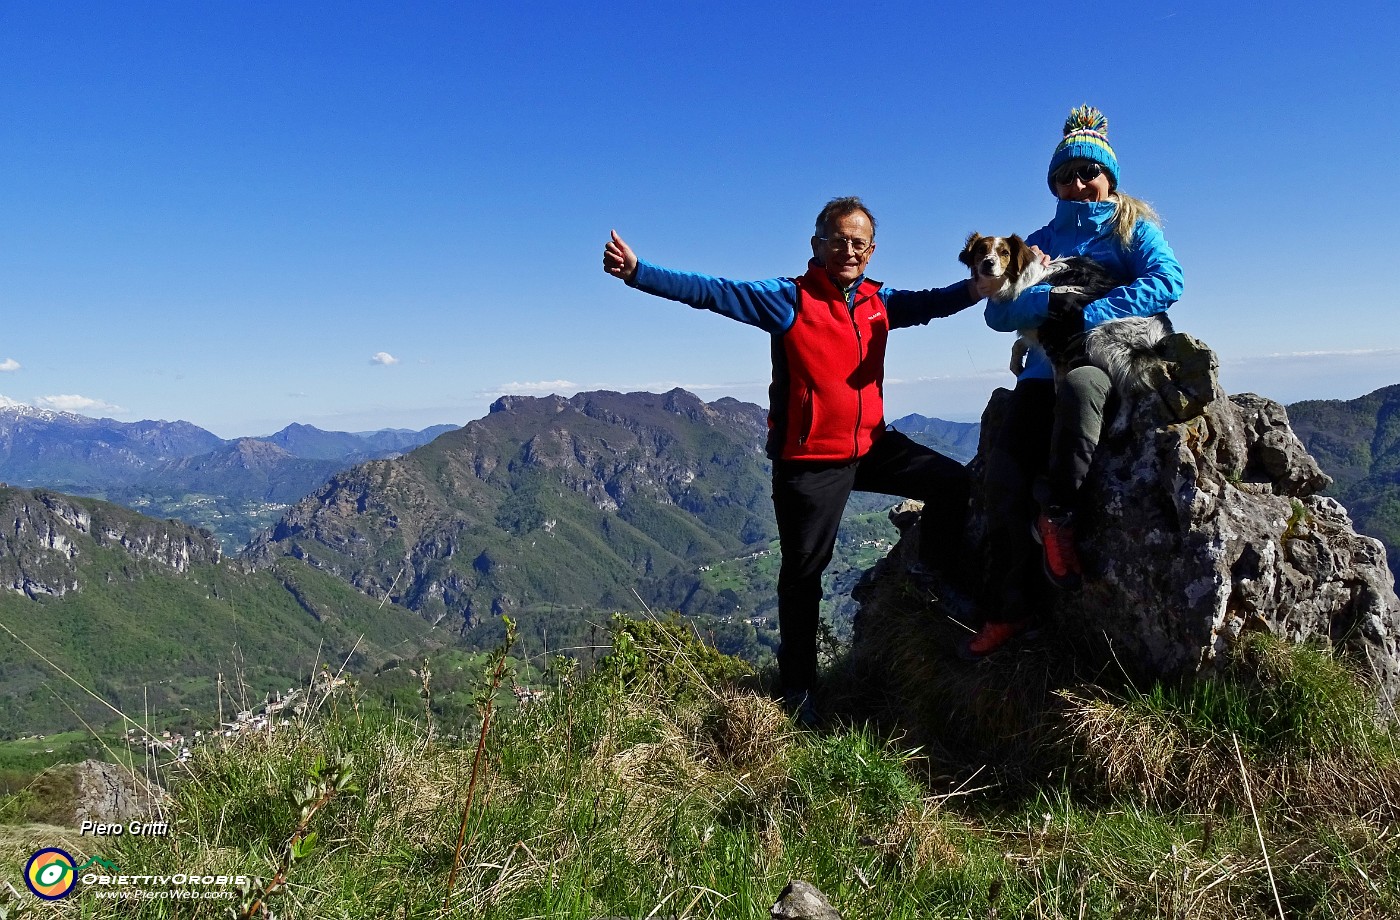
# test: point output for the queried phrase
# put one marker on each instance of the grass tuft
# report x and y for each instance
(1306, 726)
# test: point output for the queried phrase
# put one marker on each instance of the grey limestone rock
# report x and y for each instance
(802, 901)
(43, 534)
(1200, 523)
(107, 794)
(1196, 532)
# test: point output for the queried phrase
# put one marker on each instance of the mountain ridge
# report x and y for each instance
(566, 501)
(233, 487)
(1357, 443)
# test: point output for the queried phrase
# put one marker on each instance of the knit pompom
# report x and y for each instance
(1086, 138)
(1086, 118)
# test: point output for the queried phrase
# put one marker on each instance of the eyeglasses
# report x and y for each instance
(1086, 173)
(841, 244)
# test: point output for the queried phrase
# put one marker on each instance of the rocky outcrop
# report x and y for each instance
(92, 791)
(104, 793)
(1202, 524)
(43, 534)
(802, 901)
(1199, 531)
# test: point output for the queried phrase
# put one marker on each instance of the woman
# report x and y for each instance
(1046, 442)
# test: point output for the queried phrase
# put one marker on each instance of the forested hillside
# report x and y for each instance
(148, 615)
(1357, 442)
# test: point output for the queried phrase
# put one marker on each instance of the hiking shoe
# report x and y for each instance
(1056, 535)
(992, 636)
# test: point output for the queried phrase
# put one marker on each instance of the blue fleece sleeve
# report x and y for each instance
(769, 305)
(1158, 280)
(1025, 312)
(915, 308)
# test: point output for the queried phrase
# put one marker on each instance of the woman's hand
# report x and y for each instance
(1018, 355)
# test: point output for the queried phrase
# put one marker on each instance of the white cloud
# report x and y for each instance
(384, 358)
(1293, 376)
(6, 402)
(666, 386)
(568, 387)
(534, 386)
(72, 402)
(9, 364)
(1335, 353)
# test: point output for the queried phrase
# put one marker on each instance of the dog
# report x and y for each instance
(1124, 348)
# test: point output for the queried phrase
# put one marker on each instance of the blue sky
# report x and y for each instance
(372, 214)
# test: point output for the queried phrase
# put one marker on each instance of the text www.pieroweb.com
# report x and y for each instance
(145, 895)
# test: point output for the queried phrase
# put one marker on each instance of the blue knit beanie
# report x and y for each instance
(1086, 138)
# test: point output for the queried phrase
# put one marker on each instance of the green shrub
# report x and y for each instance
(666, 656)
(1277, 698)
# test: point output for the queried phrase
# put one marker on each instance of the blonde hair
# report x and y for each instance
(1126, 214)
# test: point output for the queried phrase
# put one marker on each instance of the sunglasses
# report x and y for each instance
(1086, 173)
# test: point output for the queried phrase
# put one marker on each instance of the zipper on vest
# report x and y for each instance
(860, 396)
(806, 418)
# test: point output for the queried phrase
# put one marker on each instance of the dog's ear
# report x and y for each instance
(965, 257)
(1021, 255)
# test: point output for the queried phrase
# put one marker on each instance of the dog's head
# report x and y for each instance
(996, 256)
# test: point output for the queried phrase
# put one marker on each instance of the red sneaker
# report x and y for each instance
(991, 637)
(1056, 535)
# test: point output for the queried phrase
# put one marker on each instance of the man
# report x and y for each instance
(826, 419)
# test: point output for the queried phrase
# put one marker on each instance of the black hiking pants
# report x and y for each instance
(809, 498)
(1014, 586)
(1038, 459)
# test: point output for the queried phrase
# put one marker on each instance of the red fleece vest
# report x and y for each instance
(827, 397)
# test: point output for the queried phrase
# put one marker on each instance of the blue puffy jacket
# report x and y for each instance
(1085, 228)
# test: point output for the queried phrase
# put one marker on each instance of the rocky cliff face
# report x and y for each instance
(544, 500)
(43, 534)
(1202, 524)
(1200, 531)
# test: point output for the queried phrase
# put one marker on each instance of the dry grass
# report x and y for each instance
(1118, 750)
(1125, 753)
(922, 836)
(998, 712)
(749, 737)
